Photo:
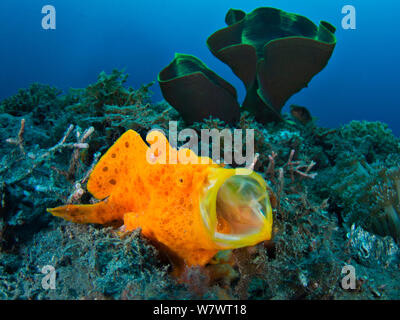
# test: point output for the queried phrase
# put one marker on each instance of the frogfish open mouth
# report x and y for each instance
(189, 205)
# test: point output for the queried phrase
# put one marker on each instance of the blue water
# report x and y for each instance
(361, 81)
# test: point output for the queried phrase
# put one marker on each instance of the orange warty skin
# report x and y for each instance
(163, 199)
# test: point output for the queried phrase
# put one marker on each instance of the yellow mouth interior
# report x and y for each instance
(236, 208)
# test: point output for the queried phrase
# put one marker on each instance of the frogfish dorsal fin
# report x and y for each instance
(128, 153)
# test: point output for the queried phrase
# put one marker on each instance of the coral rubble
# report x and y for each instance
(334, 194)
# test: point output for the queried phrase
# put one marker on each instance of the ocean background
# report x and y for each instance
(361, 81)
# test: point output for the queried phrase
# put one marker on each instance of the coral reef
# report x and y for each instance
(274, 53)
(196, 91)
(37, 96)
(363, 177)
(371, 196)
(27, 173)
(111, 108)
(334, 195)
(369, 249)
(371, 141)
(91, 264)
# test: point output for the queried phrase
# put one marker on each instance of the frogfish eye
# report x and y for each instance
(236, 208)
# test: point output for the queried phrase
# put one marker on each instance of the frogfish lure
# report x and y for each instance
(189, 205)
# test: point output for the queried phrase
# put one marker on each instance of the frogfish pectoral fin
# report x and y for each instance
(100, 213)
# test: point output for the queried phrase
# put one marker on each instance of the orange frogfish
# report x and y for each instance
(189, 205)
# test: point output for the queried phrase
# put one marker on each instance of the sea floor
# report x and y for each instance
(338, 218)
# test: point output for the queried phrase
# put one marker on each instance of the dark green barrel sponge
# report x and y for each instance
(197, 92)
(274, 53)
